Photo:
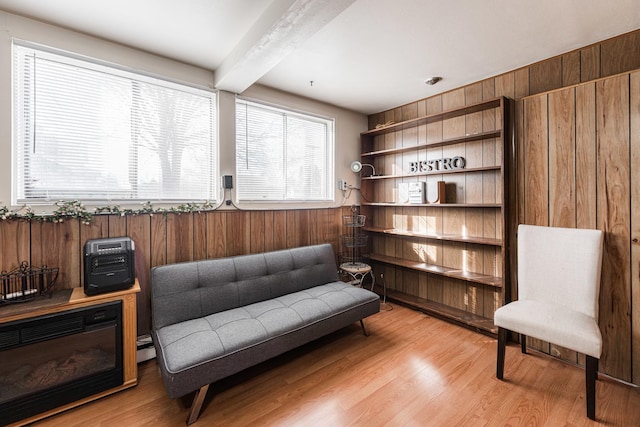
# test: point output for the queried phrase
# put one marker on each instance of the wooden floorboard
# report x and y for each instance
(413, 370)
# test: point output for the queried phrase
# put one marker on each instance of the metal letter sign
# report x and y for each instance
(447, 163)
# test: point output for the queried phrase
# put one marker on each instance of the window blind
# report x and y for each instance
(88, 131)
(282, 155)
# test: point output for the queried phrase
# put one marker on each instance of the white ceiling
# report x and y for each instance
(363, 55)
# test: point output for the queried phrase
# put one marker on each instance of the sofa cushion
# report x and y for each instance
(191, 290)
(197, 341)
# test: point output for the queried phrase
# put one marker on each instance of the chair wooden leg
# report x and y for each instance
(196, 406)
(591, 374)
(523, 343)
(364, 330)
(502, 342)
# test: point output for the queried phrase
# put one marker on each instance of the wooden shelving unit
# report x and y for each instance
(449, 259)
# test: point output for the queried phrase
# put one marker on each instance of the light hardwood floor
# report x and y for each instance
(413, 370)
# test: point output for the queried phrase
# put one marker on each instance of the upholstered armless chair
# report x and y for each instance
(558, 290)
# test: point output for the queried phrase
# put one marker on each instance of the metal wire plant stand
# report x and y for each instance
(351, 259)
(353, 241)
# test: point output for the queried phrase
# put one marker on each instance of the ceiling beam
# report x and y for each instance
(284, 26)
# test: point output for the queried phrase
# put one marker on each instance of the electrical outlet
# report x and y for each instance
(342, 185)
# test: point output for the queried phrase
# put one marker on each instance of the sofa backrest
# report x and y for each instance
(195, 289)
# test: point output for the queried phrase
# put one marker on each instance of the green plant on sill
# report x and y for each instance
(76, 210)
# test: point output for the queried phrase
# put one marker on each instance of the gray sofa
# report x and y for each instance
(214, 318)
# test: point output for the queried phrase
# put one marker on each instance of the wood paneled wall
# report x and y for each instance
(164, 239)
(578, 155)
(582, 169)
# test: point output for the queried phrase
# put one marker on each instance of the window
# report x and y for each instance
(94, 132)
(282, 155)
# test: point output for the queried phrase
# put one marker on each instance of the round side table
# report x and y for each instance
(358, 271)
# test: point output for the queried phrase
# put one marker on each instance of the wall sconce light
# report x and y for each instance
(356, 167)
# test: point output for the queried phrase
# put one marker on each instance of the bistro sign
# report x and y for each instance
(447, 163)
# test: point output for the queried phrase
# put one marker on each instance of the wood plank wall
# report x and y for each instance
(581, 170)
(161, 239)
(578, 158)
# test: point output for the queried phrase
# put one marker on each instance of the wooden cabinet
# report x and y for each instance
(448, 259)
(77, 300)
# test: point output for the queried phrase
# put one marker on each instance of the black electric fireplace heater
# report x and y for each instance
(55, 359)
(109, 265)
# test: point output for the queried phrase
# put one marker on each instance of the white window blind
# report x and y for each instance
(92, 132)
(282, 155)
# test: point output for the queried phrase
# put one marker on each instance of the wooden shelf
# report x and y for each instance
(486, 142)
(441, 311)
(434, 205)
(442, 172)
(439, 270)
(443, 143)
(432, 118)
(445, 237)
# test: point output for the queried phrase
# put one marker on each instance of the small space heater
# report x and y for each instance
(109, 265)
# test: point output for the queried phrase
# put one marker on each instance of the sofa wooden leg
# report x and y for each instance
(502, 342)
(523, 343)
(591, 374)
(364, 330)
(196, 406)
